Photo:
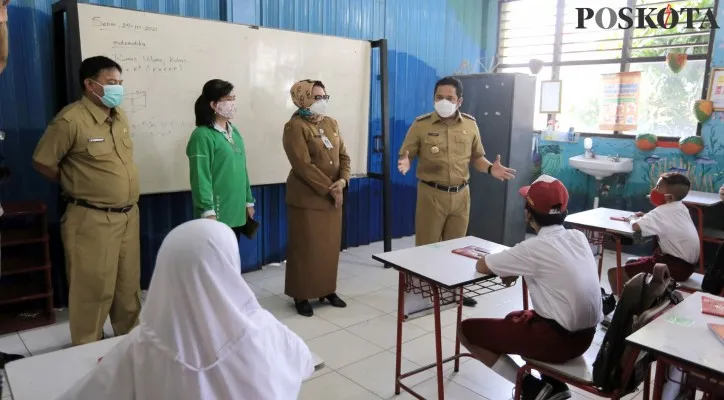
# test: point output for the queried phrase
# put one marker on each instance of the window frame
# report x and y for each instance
(625, 62)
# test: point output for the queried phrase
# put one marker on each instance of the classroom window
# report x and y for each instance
(579, 57)
(665, 98)
(580, 94)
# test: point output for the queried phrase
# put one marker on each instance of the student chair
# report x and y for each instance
(579, 371)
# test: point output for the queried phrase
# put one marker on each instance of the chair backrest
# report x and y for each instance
(643, 298)
(713, 282)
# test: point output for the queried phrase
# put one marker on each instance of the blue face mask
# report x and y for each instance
(112, 95)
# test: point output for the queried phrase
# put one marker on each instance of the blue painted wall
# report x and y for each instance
(427, 39)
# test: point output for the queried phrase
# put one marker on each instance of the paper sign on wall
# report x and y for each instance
(619, 102)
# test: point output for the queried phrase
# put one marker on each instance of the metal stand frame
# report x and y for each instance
(440, 297)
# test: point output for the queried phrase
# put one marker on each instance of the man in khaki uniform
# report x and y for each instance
(446, 142)
(88, 149)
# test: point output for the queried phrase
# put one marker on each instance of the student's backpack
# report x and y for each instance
(713, 281)
(643, 298)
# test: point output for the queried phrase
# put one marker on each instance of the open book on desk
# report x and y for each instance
(473, 252)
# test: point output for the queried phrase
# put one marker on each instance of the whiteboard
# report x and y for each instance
(167, 59)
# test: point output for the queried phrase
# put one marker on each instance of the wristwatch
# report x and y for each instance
(490, 169)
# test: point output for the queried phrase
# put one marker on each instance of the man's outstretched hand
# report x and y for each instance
(501, 172)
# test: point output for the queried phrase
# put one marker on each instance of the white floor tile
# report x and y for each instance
(308, 327)
(273, 285)
(377, 374)
(422, 350)
(334, 386)
(269, 271)
(47, 338)
(341, 348)
(382, 331)
(280, 306)
(353, 314)
(13, 344)
(478, 378)
(448, 317)
(384, 300)
(357, 286)
(259, 292)
(453, 391)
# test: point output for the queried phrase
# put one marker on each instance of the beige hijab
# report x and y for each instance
(302, 97)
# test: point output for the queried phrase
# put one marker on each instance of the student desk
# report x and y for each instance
(698, 201)
(681, 338)
(436, 272)
(49, 375)
(599, 220)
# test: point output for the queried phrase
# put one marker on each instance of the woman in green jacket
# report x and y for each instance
(220, 185)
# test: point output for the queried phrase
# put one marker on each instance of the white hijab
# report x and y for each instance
(203, 334)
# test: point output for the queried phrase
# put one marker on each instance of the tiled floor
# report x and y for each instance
(356, 343)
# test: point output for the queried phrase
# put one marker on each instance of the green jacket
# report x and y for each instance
(219, 178)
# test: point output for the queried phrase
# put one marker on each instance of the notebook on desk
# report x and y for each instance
(473, 252)
(712, 306)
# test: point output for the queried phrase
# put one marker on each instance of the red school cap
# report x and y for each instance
(547, 195)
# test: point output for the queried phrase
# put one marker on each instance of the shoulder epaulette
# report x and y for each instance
(468, 116)
(424, 116)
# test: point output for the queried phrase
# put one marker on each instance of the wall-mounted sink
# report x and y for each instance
(600, 166)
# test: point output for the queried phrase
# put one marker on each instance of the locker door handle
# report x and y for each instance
(377, 145)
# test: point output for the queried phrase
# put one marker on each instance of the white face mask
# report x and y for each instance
(319, 107)
(445, 108)
(226, 109)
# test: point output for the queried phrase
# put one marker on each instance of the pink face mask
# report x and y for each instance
(226, 109)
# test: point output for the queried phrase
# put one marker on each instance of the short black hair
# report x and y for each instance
(546, 219)
(677, 185)
(91, 67)
(451, 81)
(214, 90)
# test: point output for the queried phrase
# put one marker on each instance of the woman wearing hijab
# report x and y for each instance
(320, 171)
(202, 334)
(220, 186)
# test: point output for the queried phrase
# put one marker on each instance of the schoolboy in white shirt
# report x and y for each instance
(678, 239)
(562, 278)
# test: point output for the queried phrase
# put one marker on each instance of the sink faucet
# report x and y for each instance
(615, 158)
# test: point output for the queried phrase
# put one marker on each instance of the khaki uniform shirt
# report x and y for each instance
(444, 149)
(94, 153)
(314, 167)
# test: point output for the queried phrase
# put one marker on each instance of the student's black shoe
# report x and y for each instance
(6, 358)
(468, 302)
(304, 308)
(534, 389)
(559, 390)
(609, 302)
(334, 300)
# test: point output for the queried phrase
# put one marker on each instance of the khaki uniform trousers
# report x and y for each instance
(102, 258)
(440, 215)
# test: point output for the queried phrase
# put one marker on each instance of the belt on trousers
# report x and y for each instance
(83, 203)
(449, 189)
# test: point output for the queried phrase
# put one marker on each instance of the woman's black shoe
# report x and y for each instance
(304, 308)
(334, 300)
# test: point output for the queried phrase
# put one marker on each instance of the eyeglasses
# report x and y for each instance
(321, 97)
